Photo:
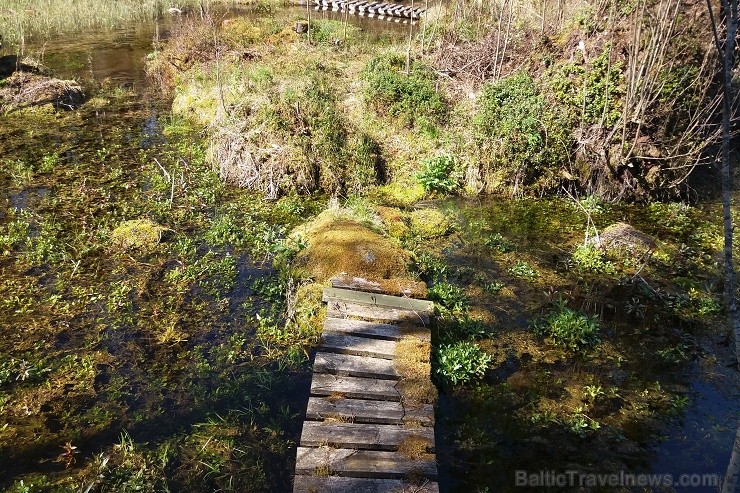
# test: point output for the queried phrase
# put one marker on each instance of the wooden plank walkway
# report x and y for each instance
(381, 10)
(364, 433)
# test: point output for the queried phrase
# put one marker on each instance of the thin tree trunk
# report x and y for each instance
(727, 54)
(730, 484)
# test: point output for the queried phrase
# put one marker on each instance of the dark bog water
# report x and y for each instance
(166, 346)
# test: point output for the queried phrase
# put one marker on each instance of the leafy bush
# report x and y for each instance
(588, 258)
(569, 329)
(499, 243)
(516, 132)
(438, 174)
(449, 296)
(412, 99)
(523, 270)
(430, 267)
(461, 362)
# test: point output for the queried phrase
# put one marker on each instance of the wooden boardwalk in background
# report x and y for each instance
(381, 10)
(363, 432)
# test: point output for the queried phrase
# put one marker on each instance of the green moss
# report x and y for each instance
(339, 245)
(393, 221)
(400, 194)
(137, 234)
(430, 223)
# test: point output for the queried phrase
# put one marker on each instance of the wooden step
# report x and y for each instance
(362, 328)
(366, 411)
(375, 330)
(362, 463)
(342, 309)
(359, 346)
(362, 436)
(355, 366)
(323, 384)
(338, 484)
(377, 299)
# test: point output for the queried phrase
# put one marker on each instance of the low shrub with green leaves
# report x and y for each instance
(461, 362)
(518, 134)
(588, 258)
(438, 174)
(449, 296)
(568, 328)
(411, 98)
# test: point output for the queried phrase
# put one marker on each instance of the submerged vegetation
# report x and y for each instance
(163, 272)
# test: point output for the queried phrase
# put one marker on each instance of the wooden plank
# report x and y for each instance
(361, 436)
(338, 484)
(340, 309)
(376, 330)
(377, 299)
(364, 411)
(323, 384)
(361, 328)
(359, 346)
(355, 366)
(362, 463)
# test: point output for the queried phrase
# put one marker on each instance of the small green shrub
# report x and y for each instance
(517, 133)
(438, 174)
(499, 243)
(449, 296)
(430, 268)
(461, 362)
(412, 99)
(588, 258)
(523, 270)
(569, 329)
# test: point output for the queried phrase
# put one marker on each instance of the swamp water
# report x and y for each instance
(165, 368)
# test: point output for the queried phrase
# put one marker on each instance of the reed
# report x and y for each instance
(21, 20)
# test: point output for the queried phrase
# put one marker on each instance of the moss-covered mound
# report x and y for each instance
(430, 223)
(340, 245)
(24, 89)
(137, 234)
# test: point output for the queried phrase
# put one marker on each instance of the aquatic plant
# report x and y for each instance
(523, 270)
(460, 362)
(449, 296)
(568, 328)
(590, 259)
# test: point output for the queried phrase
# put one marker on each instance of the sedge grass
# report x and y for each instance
(21, 20)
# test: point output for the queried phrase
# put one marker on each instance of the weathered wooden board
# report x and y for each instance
(362, 463)
(324, 384)
(375, 330)
(365, 411)
(362, 328)
(355, 366)
(377, 299)
(360, 346)
(338, 484)
(361, 436)
(342, 309)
